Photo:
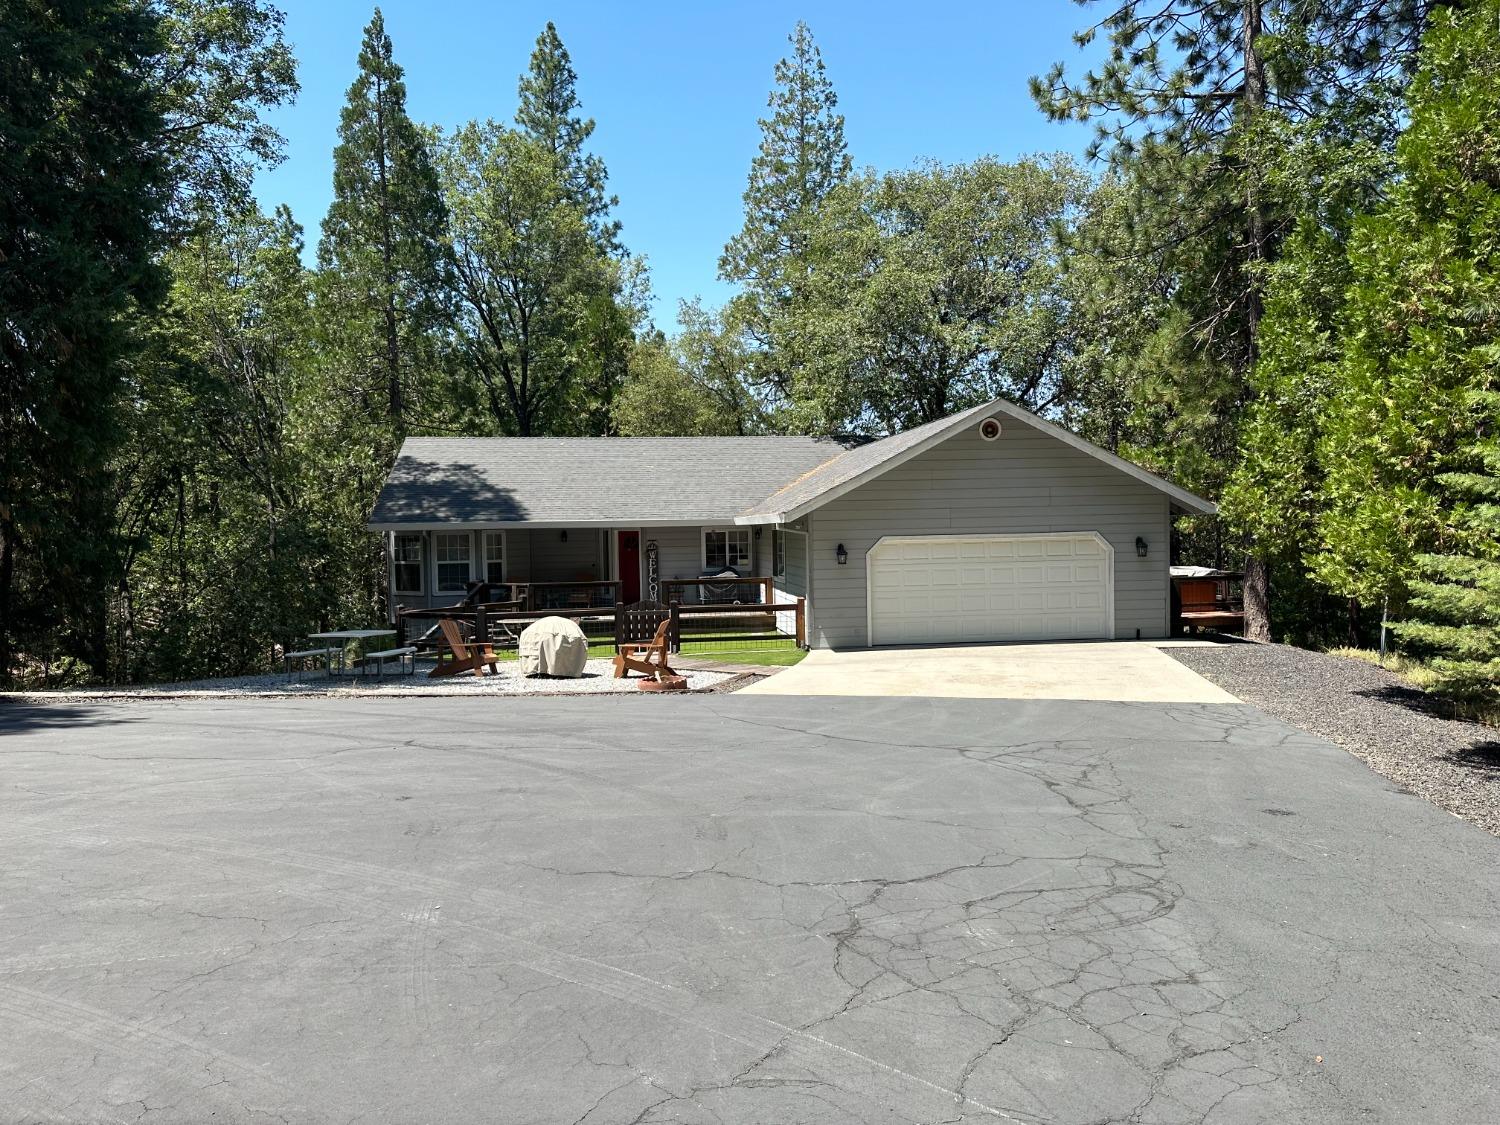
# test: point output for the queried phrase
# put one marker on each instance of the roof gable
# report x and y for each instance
(864, 463)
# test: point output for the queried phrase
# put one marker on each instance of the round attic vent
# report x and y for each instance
(989, 429)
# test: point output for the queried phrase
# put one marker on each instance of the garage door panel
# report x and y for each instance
(989, 588)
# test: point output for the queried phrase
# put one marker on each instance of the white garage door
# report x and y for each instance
(937, 589)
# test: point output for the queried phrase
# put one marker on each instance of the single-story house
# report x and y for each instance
(990, 525)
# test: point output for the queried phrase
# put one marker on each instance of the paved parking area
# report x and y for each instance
(729, 909)
(1118, 671)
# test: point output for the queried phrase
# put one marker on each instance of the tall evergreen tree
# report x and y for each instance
(1407, 441)
(83, 185)
(381, 251)
(802, 159)
(1191, 104)
(1455, 604)
(551, 114)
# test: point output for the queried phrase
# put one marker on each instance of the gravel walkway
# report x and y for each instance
(1372, 713)
(598, 679)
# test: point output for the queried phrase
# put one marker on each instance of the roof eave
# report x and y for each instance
(626, 522)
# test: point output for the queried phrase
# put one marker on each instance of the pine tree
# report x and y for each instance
(1456, 600)
(1411, 437)
(551, 114)
(381, 251)
(802, 159)
(1191, 106)
(86, 183)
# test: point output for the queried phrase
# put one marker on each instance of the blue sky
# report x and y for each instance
(676, 89)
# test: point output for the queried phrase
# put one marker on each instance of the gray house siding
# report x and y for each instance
(794, 581)
(518, 555)
(1025, 483)
(680, 550)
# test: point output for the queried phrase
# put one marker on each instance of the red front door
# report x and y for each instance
(630, 566)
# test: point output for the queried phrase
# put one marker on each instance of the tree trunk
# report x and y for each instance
(1355, 633)
(7, 582)
(1257, 589)
(396, 403)
(1257, 585)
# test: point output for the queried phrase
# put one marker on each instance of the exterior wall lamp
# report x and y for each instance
(1141, 546)
(841, 554)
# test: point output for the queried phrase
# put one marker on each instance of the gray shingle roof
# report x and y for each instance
(579, 481)
(573, 482)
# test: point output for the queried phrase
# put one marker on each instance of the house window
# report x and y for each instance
(730, 547)
(494, 556)
(406, 558)
(452, 551)
(778, 554)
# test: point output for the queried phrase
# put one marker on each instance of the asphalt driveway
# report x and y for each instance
(730, 909)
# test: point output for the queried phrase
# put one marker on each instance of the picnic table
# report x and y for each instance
(345, 637)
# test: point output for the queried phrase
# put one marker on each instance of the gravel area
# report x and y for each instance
(1375, 715)
(598, 679)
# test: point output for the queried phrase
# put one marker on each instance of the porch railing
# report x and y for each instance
(577, 594)
(728, 626)
(500, 623)
(691, 591)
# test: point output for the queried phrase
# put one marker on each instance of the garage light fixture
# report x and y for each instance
(1140, 546)
(841, 554)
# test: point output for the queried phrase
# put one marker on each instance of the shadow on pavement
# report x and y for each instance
(17, 718)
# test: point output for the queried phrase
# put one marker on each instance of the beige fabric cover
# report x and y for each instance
(553, 646)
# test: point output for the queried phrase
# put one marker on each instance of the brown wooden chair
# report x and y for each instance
(466, 656)
(643, 639)
(649, 658)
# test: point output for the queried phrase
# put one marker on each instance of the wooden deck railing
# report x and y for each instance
(500, 623)
(741, 589)
(742, 622)
(576, 594)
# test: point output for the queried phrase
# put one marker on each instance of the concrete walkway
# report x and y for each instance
(1124, 671)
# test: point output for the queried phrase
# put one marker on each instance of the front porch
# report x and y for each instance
(496, 580)
(580, 568)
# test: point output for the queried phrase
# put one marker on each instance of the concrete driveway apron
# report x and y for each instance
(1122, 671)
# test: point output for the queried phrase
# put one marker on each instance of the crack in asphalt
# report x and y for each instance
(1066, 971)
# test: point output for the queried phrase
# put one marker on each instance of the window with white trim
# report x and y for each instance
(406, 564)
(452, 554)
(778, 553)
(494, 556)
(727, 547)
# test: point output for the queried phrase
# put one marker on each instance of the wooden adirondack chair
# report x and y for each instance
(466, 656)
(649, 659)
(634, 654)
